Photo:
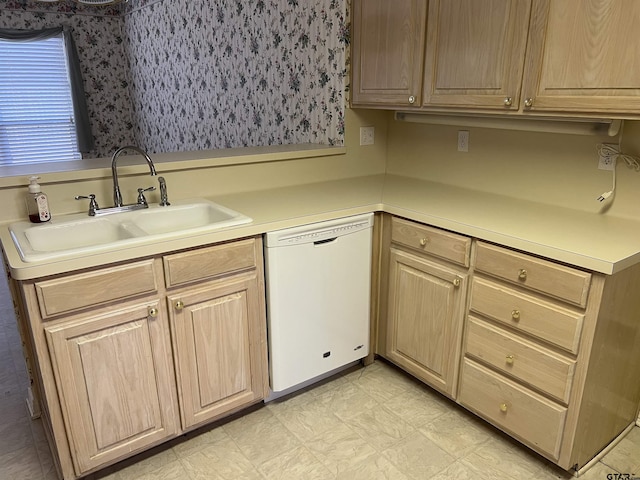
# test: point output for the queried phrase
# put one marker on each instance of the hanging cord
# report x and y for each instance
(615, 154)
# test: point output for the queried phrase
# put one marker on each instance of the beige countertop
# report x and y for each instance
(594, 242)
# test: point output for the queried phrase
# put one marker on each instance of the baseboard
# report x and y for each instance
(604, 451)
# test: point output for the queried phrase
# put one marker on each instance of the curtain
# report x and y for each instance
(81, 115)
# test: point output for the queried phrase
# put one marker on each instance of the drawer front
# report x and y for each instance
(433, 241)
(524, 360)
(528, 314)
(535, 420)
(534, 273)
(210, 262)
(74, 292)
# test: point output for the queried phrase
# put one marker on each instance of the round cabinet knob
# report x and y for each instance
(510, 359)
(412, 99)
(522, 274)
(424, 241)
(508, 101)
(456, 282)
(515, 314)
(179, 305)
(503, 407)
(528, 102)
(152, 312)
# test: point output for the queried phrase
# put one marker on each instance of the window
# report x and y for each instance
(37, 121)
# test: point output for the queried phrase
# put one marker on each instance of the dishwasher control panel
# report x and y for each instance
(312, 234)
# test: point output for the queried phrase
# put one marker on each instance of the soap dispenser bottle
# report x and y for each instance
(37, 203)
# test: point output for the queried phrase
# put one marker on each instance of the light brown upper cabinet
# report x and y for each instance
(583, 57)
(474, 54)
(387, 68)
(548, 57)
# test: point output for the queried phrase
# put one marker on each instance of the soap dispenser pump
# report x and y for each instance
(37, 202)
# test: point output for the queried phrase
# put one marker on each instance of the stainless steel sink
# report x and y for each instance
(76, 235)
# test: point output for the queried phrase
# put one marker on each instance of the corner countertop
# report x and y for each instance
(593, 242)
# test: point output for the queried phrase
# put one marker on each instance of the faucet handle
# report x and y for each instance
(141, 199)
(93, 204)
(164, 199)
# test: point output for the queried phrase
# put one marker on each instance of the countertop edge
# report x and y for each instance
(559, 255)
(22, 271)
(406, 197)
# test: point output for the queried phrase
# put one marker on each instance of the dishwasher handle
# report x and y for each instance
(328, 240)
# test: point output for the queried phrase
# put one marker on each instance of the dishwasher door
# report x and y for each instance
(318, 298)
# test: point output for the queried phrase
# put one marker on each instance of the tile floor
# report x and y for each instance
(373, 423)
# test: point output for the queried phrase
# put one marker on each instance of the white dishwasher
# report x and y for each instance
(318, 297)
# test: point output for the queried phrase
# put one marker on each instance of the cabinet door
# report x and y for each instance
(219, 347)
(426, 311)
(475, 53)
(114, 377)
(388, 45)
(583, 57)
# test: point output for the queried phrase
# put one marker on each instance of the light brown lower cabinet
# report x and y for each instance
(128, 356)
(569, 343)
(426, 313)
(527, 415)
(115, 384)
(425, 276)
(547, 352)
(218, 367)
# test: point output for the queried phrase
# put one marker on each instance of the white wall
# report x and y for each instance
(557, 169)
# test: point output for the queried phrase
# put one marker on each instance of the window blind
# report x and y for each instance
(36, 108)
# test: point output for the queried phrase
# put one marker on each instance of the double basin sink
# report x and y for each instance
(80, 234)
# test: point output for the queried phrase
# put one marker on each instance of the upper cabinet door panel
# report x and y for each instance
(475, 53)
(387, 51)
(583, 56)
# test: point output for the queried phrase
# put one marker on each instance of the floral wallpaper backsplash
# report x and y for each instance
(179, 75)
(234, 73)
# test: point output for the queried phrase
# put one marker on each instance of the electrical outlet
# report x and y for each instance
(607, 162)
(367, 135)
(463, 140)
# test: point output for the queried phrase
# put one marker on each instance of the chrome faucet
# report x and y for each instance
(117, 196)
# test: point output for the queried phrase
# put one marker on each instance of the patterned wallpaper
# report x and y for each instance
(237, 73)
(205, 75)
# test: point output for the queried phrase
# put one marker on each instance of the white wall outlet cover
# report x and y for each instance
(367, 135)
(607, 162)
(463, 140)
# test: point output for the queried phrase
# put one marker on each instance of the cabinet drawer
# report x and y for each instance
(528, 314)
(524, 360)
(433, 241)
(206, 263)
(530, 417)
(534, 273)
(74, 292)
